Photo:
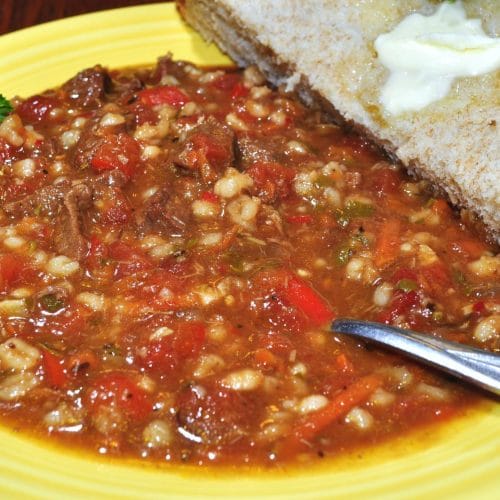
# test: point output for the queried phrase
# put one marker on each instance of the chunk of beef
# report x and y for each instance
(66, 203)
(49, 148)
(164, 213)
(167, 67)
(85, 149)
(216, 417)
(207, 150)
(125, 89)
(88, 88)
(46, 200)
(68, 239)
(49, 199)
(249, 150)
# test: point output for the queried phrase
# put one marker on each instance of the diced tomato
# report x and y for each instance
(54, 369)
(441, 208)
(287, 289)
(166, 94)
(239, 90)
(272, 181)
(114, 208)
(37, 108)
(117, 151)
(401, 303)
(14, 190)
(213, 151)
(189, 338)
(12, 269)
(435, 278)
(300, 219)
(232, 84)
(97, 254)
(303, 297)
(209, 196)
(479, 308)
(169, 352)
(130, 260)
(117, 389)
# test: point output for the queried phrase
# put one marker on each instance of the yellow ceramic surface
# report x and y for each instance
(459, 461)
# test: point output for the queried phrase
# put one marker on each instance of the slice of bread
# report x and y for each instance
(324, 50)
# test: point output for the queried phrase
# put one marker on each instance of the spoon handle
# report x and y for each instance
(474, 365)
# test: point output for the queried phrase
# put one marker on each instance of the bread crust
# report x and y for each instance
(312, 48)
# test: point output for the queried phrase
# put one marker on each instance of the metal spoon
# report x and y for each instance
(474, 365)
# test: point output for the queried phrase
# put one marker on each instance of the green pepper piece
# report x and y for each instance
(406, 285)
(353, 209)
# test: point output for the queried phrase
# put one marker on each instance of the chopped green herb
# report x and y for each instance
(406, 285)
(353, 209)
(51, 303)
(360, 239)
(5, 107)
(343, 255)
(111, 350)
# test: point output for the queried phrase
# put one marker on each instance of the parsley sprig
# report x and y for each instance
(5, 107)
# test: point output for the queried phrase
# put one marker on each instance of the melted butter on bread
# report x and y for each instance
(426, 53)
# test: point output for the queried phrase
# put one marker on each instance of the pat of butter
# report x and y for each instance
(426, 53)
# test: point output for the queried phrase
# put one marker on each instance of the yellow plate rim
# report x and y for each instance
(461, 460)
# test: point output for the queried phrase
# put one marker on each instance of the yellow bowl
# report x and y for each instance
(461, 460)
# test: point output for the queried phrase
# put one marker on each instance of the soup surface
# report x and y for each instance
(174, 243)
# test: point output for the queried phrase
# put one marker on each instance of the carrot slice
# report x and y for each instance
(339, 406)
(388, 240)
